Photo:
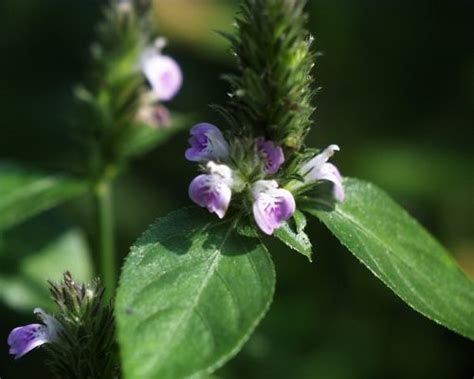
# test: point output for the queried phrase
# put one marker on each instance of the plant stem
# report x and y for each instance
(105, 220)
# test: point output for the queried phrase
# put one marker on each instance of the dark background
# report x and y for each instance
(398, 97)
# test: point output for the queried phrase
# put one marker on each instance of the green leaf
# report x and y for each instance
(191, 292)
(147, 138)
(294, 235)
(24, 192)
(34, 253)
(400, 252)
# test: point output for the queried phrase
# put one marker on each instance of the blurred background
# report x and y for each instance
(398, 98)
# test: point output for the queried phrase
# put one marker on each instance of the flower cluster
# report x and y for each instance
(165, 79)
(256, 173)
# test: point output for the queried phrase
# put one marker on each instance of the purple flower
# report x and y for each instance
(26, 338)
(162, 72)
(272, 205)
(207, 143)
(318, 169)
(214, 190)
(271, 154)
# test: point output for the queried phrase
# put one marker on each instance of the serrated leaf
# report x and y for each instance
(25, 192)
(146, 138)
(191, 292)
(400, 252)
(294, 235)
(34, 253)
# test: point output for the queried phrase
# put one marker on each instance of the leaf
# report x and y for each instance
(400, 252)
(320, 196)
(191, 292)
(34, 253)
(147, 138)
(25, 192)
(295, 237)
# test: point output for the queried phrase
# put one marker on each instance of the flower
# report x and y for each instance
(317, 168)
(214, 190)
(272, 155)
(162, 72)
(154, 115)
(207, 143)
(272, 205)
(26, 338)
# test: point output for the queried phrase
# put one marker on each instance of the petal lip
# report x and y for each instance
(198, 190)
(262, 219)
(288, 204)
(194, 155)
(23, 339)
(212, 192)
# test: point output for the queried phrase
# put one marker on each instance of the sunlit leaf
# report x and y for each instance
(400, 252)
(191, 292)
(292, 234)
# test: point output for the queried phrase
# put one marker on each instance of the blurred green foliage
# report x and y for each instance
(398, 97)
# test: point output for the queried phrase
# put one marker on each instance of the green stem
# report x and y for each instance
(106, 237)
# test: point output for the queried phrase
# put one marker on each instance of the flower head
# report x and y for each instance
(162, 72)
(318, 169)
(271, 154)
(207, 143)
(214, 190)
(272, 205)
(26, 338)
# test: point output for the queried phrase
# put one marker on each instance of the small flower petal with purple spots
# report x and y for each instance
(272, 155)
(163, 74)
(318, 169)
(272, 206)
(26, 338)
(207, 143)
(213, 191)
